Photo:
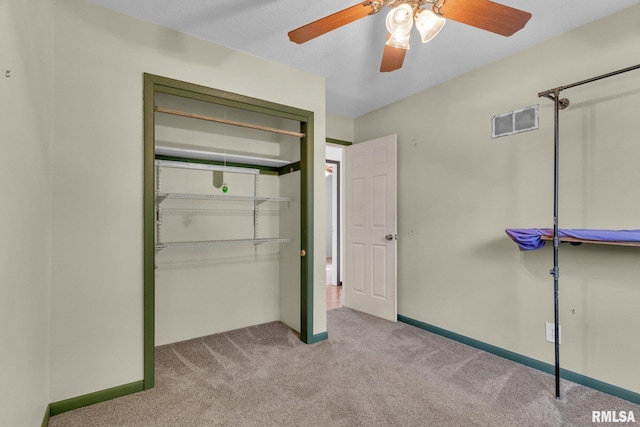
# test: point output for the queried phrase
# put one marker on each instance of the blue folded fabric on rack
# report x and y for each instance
(529, 239)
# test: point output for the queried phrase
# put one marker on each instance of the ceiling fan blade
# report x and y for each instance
(330, 22)
(392, 58)
(486, 15)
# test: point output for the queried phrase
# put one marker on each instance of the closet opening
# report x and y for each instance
(228, 214)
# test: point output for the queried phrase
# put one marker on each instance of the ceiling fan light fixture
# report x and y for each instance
(400, 20)
(429, 17)
(400, 41)
(428, 24)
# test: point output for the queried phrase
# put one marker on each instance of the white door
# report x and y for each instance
(370, 176)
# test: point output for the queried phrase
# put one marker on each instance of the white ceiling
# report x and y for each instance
(349, 57)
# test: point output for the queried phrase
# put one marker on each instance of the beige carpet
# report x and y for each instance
(369, 373)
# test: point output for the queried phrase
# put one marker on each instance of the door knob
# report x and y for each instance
(390, 237)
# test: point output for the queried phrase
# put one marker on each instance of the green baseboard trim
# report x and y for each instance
(95, 397)
(527, 361)
(47, 415)
(607, 388)
(318, 337)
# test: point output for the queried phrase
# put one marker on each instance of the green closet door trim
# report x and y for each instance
(149, 290)
(293, 167)
(318, 337)
(338, 141)
(229, 99)
(527, 361)
(263, 169)
(306, 235)
(154, 84)
(47, 415)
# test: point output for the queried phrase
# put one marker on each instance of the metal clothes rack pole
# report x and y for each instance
(556, 241)
(561, 104)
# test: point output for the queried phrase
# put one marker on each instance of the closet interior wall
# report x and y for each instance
(203, 288)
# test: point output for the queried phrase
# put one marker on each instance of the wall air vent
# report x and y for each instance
(513, 122)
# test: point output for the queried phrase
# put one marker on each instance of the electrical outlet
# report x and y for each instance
(550, 332)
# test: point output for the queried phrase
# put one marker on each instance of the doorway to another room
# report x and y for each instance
(333, 164)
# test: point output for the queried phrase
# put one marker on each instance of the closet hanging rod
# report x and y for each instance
(228, 122)
(550, 93)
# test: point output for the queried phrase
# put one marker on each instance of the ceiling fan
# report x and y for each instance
(429, 17)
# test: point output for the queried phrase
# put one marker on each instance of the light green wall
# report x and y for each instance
(339, 127)
(26, 43)
(481, 287)
(459, 190)
(100, 58)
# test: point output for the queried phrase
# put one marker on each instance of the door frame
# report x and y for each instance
(338, 198)
(157, 84)
(339, 202)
